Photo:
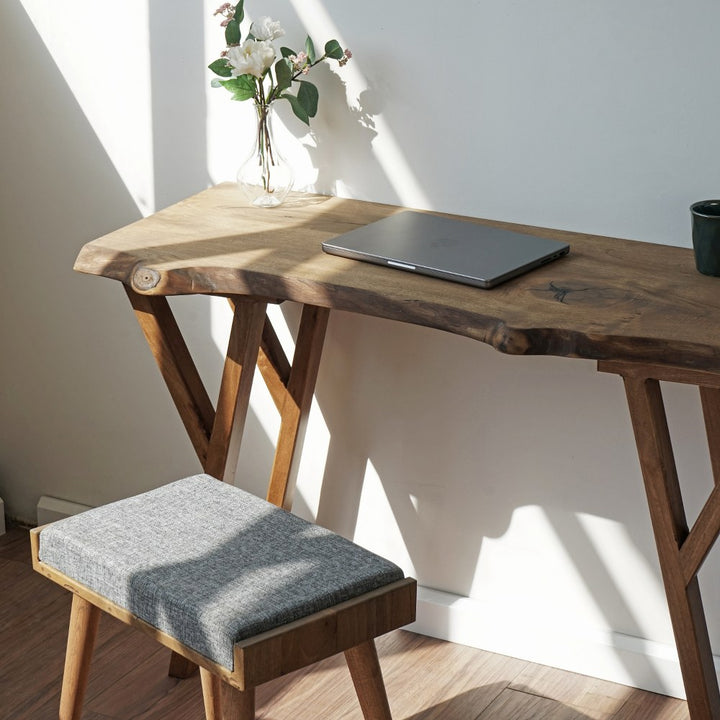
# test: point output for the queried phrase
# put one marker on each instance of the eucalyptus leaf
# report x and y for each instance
(310, 49)
(247, 81)
(286, 52)
(283, 73)
(239, 11)
(308, 97)
(242, 87)
(220, 67)
(297, 108)
(333, 50)
(242, 95)
(232, 32)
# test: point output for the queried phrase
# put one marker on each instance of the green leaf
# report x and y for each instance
(283, 73)
(242, 87)
(333, 50)
(287, 52)
(308, 97)
(247, 81)
(232, 32)
(297, 108)
(239, 12)
(220, 67)
(310, 49)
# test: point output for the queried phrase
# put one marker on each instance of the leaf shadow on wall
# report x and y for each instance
(343, 155)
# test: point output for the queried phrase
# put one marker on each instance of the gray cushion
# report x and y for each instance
(209, 563)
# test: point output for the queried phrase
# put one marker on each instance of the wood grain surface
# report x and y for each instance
(610, 299)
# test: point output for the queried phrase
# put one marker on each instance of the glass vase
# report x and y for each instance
(265, 177)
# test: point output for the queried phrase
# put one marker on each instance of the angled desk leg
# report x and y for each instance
(681, 550)
(292, 390)
(235, 386)
(214, 432)
(177, 368)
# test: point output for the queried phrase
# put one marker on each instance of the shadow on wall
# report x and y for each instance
(58, 191)
(83, 414)
(344, 155)
(341, 157)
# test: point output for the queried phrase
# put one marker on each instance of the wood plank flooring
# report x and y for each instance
(427, 679)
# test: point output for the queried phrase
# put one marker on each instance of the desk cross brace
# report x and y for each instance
(215, 432)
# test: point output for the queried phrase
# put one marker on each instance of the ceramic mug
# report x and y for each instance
(706, 236)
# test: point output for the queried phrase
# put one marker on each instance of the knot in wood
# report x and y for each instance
(145, 278)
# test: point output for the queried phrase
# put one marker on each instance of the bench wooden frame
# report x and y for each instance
(350, 627)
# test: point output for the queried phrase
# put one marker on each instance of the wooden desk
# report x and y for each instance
(641, 310)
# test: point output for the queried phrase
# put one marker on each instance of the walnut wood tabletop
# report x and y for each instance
(641, 310)
(609, 299)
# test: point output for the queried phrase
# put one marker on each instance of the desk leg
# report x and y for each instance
(177, 368)
(214, 433)
(295, 404)
(681, 551)
(291, 388)
(235, 386)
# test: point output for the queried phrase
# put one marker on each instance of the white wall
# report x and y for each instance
(508, 485)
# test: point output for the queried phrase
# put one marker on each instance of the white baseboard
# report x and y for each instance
(599, 653)
(2, 517)
(50, 509)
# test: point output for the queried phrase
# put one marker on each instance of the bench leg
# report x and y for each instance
(212, 691)
(365, 670)
(84, 618)
(237, 704)
(223, 702)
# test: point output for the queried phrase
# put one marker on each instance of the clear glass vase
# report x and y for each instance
(265, 177)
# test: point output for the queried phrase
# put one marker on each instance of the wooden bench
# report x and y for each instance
(228, 581)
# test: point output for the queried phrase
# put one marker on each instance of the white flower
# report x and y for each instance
(266, 28)
(253, 57)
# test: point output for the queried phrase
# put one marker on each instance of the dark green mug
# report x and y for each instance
(706, 236)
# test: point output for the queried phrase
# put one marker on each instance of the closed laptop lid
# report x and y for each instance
(448, 248)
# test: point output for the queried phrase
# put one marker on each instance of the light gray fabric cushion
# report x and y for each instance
(209, 563)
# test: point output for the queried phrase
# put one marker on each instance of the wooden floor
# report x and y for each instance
(426, 679)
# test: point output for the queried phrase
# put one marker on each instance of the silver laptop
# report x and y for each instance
(447, 248)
